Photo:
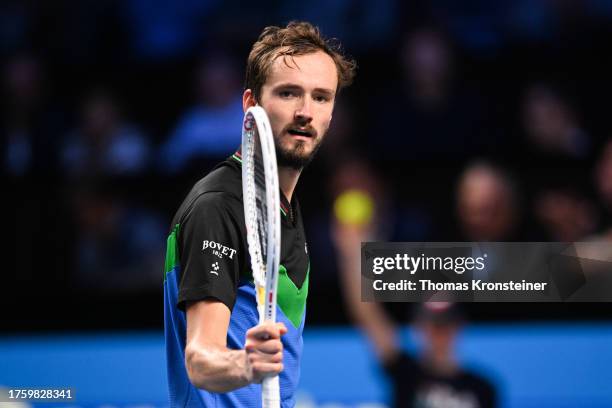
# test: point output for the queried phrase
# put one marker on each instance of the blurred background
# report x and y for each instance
(468, 121)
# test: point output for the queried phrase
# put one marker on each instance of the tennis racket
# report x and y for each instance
(260, 192)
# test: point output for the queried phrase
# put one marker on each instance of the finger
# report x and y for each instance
(264, 331)
(250, 345)
(258, 358)
(267, 369)
(277, 358)
(270, 347)
(282, 328)
(263, 346)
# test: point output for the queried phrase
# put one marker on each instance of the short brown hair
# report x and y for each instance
(298, 38)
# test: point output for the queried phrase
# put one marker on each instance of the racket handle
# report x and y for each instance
(270, 392)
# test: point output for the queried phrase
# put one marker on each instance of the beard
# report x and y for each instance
(296, 156)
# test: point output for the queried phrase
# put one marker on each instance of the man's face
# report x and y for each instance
(439, 337)
(298, 97)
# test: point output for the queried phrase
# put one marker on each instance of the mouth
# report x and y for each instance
(301, 133)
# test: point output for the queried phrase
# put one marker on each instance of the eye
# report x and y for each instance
(321, 98)
(286, 94)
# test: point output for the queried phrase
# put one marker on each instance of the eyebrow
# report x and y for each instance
(298, 87)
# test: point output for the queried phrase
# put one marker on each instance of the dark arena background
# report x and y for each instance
(468, 121)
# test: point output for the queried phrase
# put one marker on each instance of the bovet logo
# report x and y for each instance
(218, 249)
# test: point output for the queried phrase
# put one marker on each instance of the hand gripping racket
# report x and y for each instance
(260, 191)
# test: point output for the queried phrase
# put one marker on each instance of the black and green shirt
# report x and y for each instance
(207, 258)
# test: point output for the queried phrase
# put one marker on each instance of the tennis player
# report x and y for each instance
(217, 354)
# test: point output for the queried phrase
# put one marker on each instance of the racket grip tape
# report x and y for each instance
(270, 392)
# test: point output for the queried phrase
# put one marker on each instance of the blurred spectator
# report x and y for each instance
(104, 144)
(436, 379)
(487, 204)
(603, 176)
(427, 115)
(119, 246)
(29, 126)
(603, 182)
(566, 215)
(361, 198)
(552, 126)
(360, 205)
(428, 65)
(360, 215)
(211, 129)
(557, 150)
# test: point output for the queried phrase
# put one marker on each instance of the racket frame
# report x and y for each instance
(256, 128)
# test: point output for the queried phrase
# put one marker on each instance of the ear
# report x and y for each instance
(248, 100)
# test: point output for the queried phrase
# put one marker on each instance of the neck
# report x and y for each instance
(288, 178)
(441, 363)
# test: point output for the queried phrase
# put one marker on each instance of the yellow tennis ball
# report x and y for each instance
(354, 207)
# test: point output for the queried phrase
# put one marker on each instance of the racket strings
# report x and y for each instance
(257, 213)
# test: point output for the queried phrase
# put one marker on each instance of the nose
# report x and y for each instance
(303, 113)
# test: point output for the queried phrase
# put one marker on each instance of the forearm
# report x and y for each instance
(371, 317)
(380, 330)
(216, 368)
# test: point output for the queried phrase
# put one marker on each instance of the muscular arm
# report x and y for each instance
(214, 367)
(210, 364)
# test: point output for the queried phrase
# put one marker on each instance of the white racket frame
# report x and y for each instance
(265, 276)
